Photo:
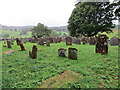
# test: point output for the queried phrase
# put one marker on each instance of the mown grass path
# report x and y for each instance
(98, 71)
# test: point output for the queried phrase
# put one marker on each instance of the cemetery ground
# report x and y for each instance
(91, 69)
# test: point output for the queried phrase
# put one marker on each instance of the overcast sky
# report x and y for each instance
(31, 12)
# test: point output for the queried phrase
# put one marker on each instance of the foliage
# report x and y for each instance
(40, 30)
(89, 18)
(96, 70)
(55, 34)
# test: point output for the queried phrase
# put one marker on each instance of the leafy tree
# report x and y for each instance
(89, 18)
(6, 36)
(40, 30)
(55, 34)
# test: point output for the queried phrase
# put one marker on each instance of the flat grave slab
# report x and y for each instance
(11, 51)
(61, 79)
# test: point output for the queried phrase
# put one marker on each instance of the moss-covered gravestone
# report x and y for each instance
(62, 52)
(9, 44)
(22, 47)
(68, 40)
(102, 44)
(72, 53)
(48, 43)
(33, 54)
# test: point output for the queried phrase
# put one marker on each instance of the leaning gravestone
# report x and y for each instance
(9, 44)
(114, 41)
(33, 54)
(68, 40)
(18, 41)
(62, 52)
(48, 43)
(22, 47)
(102, 44)
(72, 53)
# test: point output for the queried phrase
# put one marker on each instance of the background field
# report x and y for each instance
(97, 71)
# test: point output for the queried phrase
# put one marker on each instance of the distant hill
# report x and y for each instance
(28, 28)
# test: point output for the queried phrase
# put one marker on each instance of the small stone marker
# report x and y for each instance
(62, 52)
(33, 54)
(72, 53)
(48, 43)
(9, 44)
(22, 47)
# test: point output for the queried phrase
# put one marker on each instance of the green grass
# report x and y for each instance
(14, 33)
(20, 71)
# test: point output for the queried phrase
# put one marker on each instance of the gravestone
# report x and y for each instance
(41, 41)
(51, 40)
(54, 40)
(77, 41)
(114, 41)
(9, 44)
(22, 47)
(62, 52)
(102, 44)
(33, 54)
(92, 41)
(48, 43)
(72, 53)
(59, 39)
(18, 41)
(68, 40)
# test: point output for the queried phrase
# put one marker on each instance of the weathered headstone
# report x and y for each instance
(33, 54)
(41, 41)
(68, 40)
(102, 44)
(72, 53)
(9, 44)
(92, 41)
(51, 40)
(18, 41)
(54, 40)
(62, 52)
(22, 47)
(114, 41)
(48, 43)
(59, 39)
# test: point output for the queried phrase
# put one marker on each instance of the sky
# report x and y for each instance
(31, 12)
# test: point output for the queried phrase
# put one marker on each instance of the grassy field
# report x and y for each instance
(95, 70)
(14, 33)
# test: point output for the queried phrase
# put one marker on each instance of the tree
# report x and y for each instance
(56, 34)
(40, 30)
(89, 18)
